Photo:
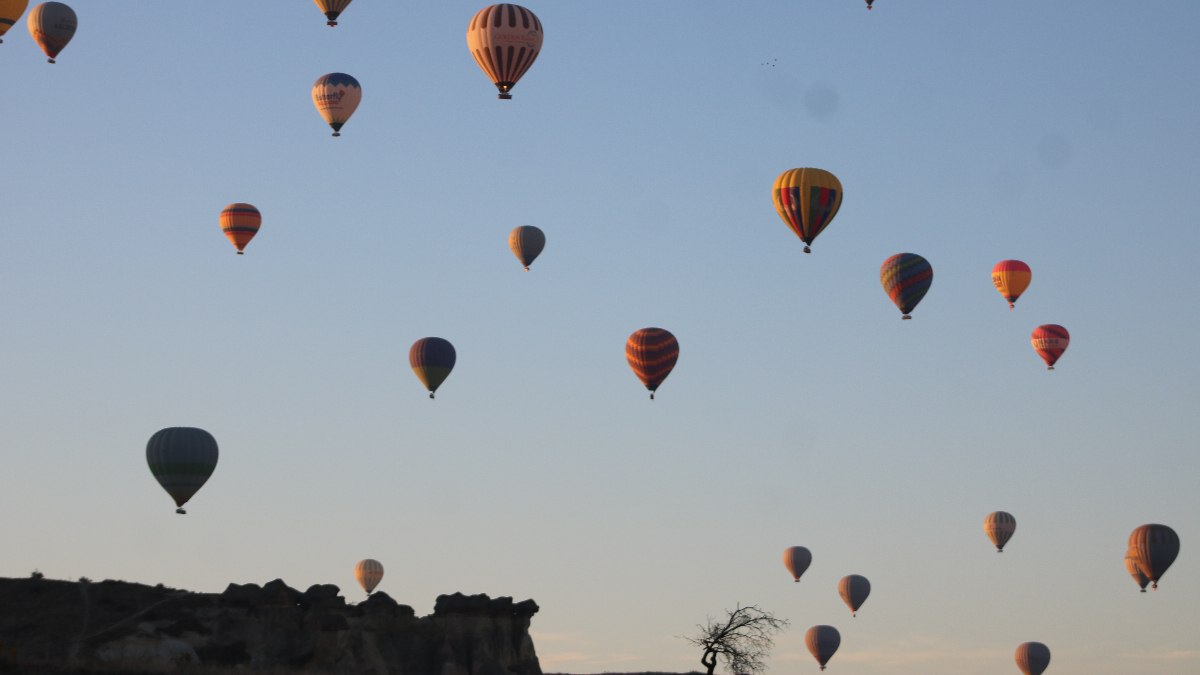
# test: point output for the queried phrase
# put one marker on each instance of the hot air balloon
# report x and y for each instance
(432, 359)
(1135, 571)
(504, 39)
(336, 96)
(906, 277)
(652, 353)
(1011, 278)
(526, 243)
(368, 573)
(10, 11)
(1032, 657)
(822, 642)
(807, 200)
(796, 559)
(181, 459)
(52, 25)
(999, 527)
(1154, 547)
(332, 9)
(854, 590)
(1050, 341)
(240, 222)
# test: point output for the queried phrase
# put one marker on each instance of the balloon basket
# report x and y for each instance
(336, 134)
(807, 249)
(906, 317)
(240, 253)
(431, 394)
(1049, 367)
(331, 24)
(504, 96)
(180, 511)
(50, 61)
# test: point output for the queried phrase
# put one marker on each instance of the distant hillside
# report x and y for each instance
(83, 628)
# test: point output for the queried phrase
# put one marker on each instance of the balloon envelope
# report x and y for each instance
(432, 359)
(822, 642)
(1135, 571)
(332, 8)
(240, 222)
(505, 40)
(526, 243)
(1050, 341)
(368, 572)
(906, 277)
(652, 353)
(1154, 547)
(1032, 657)
(807, 200)
(52, 25)
(10, 11)
(181, 459)
(999, 527)
(854, 590)
(796, 559)
(336, 96)
(1011, 278)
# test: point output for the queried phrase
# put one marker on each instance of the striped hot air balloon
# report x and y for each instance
(1154, 547)
(807, 200)
(336, 96)
(181, 459)
(1135, 570)
(1032, 658)
(822, 643)
(1011, 278)
(505, 40)
(526, 243)
(854, 590)
(432, 359)
(369, 573)
(999, 527)
(52, 25)
(240, 222)
(796, 559)
(10, 11)
(906, 277)
(1050, 341)
(332, 8)
(652, 353)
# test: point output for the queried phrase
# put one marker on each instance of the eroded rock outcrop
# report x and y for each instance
(252, 627)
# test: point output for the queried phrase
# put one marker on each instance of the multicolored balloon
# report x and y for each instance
(796, 559)
(10, 11)
(52, 25)
(807, 200)
(854, 590)
(1154, 547)
(368, 573)
(1032, 658)
(336, 96)
(240, 222)
(822, 643)
(526, 243)
(505, 40)
(1011, 278)
(432, 359)
(181, 459)
(332, 8)
(1135, 571)
(1050, 341)
(652, 353)
(906, 277)
(999, 527)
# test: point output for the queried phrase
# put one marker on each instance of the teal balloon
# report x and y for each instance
(181, 459)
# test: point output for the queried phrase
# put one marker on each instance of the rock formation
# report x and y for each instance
(111, 625)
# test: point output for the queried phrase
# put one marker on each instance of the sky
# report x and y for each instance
(644, 141)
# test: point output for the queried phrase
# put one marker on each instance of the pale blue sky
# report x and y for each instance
(644, 142)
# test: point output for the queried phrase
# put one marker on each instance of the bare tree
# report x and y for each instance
(743, 639)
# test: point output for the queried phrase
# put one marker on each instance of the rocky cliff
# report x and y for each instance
(115, 626)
